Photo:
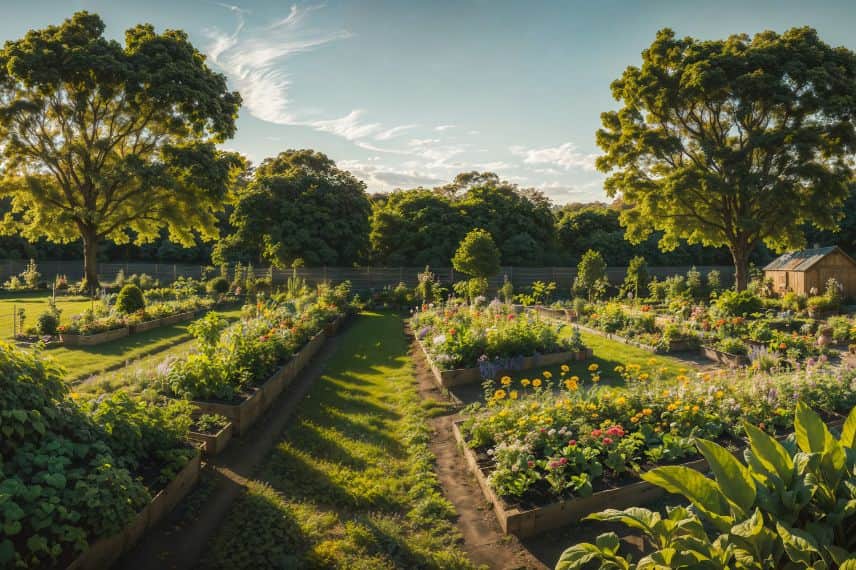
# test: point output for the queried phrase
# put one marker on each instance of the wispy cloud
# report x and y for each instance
(253, 59)
(565, 156)
(441, 128)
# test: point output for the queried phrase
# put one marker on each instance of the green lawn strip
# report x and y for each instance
(351, 484)
(608, 354)
(82, 362)
(34, 304)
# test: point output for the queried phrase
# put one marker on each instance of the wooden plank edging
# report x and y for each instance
(104, 552)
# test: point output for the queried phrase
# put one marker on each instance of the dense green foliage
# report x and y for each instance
(477, 255)
(130, 300)
(299, 206)
(71, 473)
(72, 174)
(788, 506)
(732, 142)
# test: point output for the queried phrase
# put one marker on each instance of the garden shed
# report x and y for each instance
(803, 271)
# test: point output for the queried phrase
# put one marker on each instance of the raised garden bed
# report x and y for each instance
(245, 413)
(730, 360)
(212, 444)
(525, 523)
(332, 327)
(462, 376)
(104, 552)
(94, 339)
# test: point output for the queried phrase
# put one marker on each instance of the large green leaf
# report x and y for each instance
(634, 517)
(848, 432)
(769, 453)
(809, 429)
(734, 480)
(703, 493)
(580, 555)
(799, 545)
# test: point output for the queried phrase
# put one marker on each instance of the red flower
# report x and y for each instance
(572, 443)
(510, 317)
(596, 433)
(607, 441)
(530, 463)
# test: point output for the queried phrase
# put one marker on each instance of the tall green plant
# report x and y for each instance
(789, 505)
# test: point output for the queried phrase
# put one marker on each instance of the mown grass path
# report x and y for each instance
(351, 482)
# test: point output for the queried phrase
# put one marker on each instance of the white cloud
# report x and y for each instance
(441, 128)
(565, 156)
(350, 126)
(393, 132)
(385, 178)
(254, 61)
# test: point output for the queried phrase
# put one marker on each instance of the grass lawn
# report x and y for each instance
(34, 304)
(84, 361)
(351, 484)
(608, 354)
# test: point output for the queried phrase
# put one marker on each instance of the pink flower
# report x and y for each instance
(596, 433)
(607, 440)
(530, 463)
(563, 461)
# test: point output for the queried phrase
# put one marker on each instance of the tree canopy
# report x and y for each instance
(110, 141)
(477, 256)
(298, 205)
(732, 142)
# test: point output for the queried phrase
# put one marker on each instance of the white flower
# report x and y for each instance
(439, 339)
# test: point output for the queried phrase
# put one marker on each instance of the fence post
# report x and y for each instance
(174, 272)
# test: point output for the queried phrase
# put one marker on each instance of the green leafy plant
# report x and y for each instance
(130, 299)
(790, 505)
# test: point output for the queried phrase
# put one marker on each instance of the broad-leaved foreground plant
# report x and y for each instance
(791, 505)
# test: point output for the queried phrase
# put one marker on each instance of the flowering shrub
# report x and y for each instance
(462, 337)
(551, 438)
(230, 361)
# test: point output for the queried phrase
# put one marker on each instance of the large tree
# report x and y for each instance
(732, 142)
(299, 206)
(107, 141)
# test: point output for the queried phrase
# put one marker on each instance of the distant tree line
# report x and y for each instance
(300, 208)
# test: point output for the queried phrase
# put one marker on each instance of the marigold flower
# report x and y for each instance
(547, 374)
(536, 383)
(506, 380)
(513, 394)
(499, 394)
(593, 367)
(524, 382)
(566, 368)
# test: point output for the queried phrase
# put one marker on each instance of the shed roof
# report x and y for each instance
(803, 260)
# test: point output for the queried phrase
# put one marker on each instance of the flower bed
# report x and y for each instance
(238, 371)
(213, 432)
(642, 329)
(560, 447)
(465, 344)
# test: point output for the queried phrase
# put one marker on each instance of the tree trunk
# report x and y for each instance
(741, 267)
(90, 261)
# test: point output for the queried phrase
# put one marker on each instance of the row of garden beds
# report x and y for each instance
(527, 522)
(122, 332)
(462, 376)
(105, 552)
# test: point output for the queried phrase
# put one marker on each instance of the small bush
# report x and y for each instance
(47, 323)
(217, 286)
(130, 300)
(736, 304)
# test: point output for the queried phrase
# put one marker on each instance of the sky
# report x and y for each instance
(408, 93)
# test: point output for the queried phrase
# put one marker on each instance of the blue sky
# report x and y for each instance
(409, 93)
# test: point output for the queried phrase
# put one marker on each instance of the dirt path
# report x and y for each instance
(179, 541)
(484, 540)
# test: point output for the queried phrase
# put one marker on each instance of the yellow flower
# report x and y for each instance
(620, 401)
(513, 394)
(652, 361)
(595, 378)
(647, 411)
(593, 367)
(536, 383)
(619, 369)
(533, 406)
(499, 394)
(696, 408)
(547, 374)
(566, 368)
(524, 382)
(506, 380)
(672, 407)
(644, 376)
(575, 378)
(719, 394)
(571, 384)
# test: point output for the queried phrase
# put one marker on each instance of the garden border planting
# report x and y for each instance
(245, 414)
(461, 376)
(530, 522)
(104, 552)
(122, 332)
